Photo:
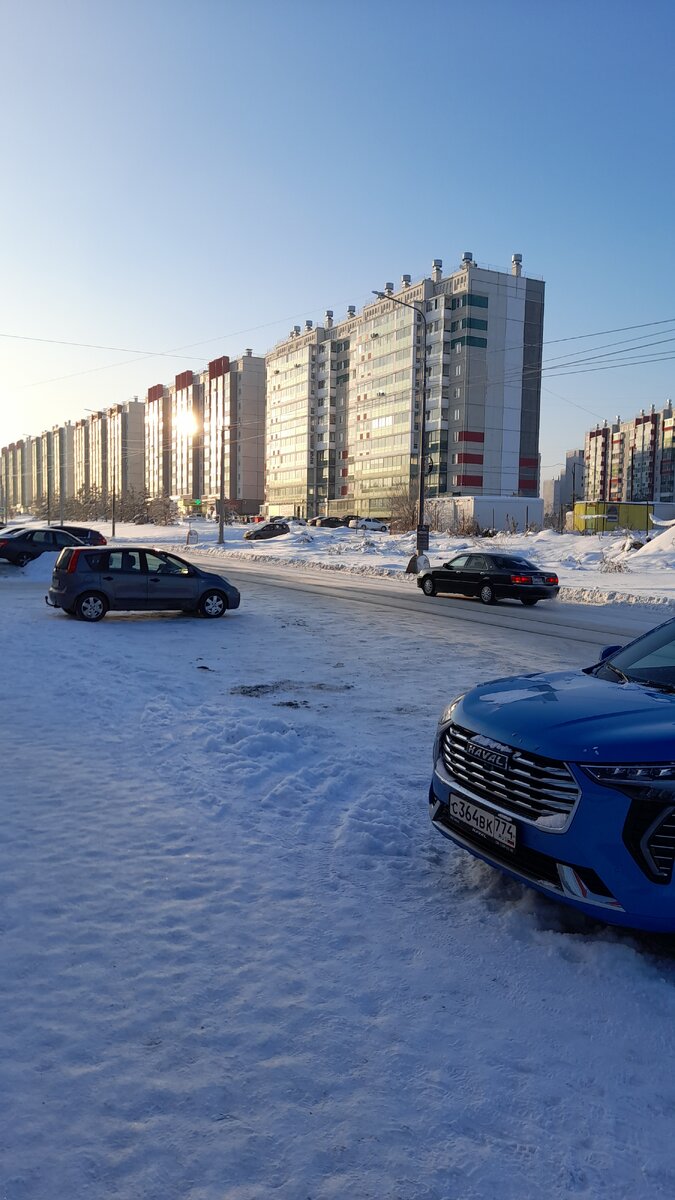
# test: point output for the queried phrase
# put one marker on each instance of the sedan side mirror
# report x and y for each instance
(607, 650)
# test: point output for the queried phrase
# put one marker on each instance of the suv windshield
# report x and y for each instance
(651, 660)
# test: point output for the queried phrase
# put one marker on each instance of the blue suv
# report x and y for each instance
(566, 781)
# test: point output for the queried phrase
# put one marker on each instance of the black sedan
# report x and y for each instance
(491, 577)
(22, 548)
(91, 537)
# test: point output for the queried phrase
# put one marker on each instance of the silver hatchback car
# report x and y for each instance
(88, 581)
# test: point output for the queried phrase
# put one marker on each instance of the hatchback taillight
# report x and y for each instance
(521, 579)
(4, 541)
(72, 565)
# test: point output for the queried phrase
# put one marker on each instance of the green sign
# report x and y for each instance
(196, 501)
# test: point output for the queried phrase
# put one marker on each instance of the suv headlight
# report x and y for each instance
(448, 711)
(645, 773)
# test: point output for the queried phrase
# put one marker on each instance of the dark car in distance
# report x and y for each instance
(490, 577)
(21, 548)
(88, 582)
(261, 532)
(91, 537)
(330, 522)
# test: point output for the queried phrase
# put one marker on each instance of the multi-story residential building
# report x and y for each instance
(566, 488)
(82, 466)
(98, 456)
(632, 460)
(62, 462)
(233, 429)
(125, 466)
(158, 442)
(344, 400)
(190, 423)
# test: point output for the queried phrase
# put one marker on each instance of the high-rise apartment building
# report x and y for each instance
(632, 460)
(344, 399)
(200, 420)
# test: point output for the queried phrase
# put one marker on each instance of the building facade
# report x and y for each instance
(200, 421)
(568, 487)
(632, 461)
(344, 399)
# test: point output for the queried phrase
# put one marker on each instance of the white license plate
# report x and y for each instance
(484, 822)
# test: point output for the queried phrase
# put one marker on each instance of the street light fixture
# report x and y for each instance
(422, 531)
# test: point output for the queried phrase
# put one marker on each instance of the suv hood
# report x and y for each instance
(573, 716)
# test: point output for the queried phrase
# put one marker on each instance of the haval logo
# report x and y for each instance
(487, 755)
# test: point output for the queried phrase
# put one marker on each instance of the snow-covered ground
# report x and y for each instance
(237, 962)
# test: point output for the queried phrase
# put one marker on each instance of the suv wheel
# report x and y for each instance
(22, 559)
(90, 607)
(212, 604)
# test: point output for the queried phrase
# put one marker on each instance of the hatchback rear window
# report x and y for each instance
(63, 559)
(93, 562)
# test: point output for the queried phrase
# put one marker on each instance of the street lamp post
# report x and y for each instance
(422, 533)
(221, 515)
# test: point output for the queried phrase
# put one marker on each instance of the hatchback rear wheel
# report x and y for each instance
(22, 559)
(212, 604)
(91, 606)
(487, 594)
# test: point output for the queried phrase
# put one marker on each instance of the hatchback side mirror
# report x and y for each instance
(607, 650)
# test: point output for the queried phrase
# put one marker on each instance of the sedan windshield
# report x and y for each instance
(650, 660)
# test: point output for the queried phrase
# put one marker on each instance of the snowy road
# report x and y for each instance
(237, 962)
(553, 619)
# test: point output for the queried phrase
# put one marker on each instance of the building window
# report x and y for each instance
(476, 341)
(457, 414)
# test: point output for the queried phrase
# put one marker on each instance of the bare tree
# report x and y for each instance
(403, 508)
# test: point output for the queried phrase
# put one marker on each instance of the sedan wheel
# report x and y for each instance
(529, 601)
(428, 587)
(487, 594)
(212, 604)
(90, 607)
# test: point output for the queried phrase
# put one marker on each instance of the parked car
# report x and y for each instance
(91, 537)
(566, 781)
(261, 532)
(491, 577)
(87, 582)
(330, 522)
(288, 520)
(375, 524)
(23, 547)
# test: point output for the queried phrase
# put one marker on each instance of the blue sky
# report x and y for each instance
(187, 180)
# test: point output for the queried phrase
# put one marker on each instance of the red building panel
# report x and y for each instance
(219, 366)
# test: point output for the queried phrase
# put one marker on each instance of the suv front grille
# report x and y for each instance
(528, 786)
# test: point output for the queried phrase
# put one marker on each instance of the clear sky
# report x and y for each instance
(183, 180)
